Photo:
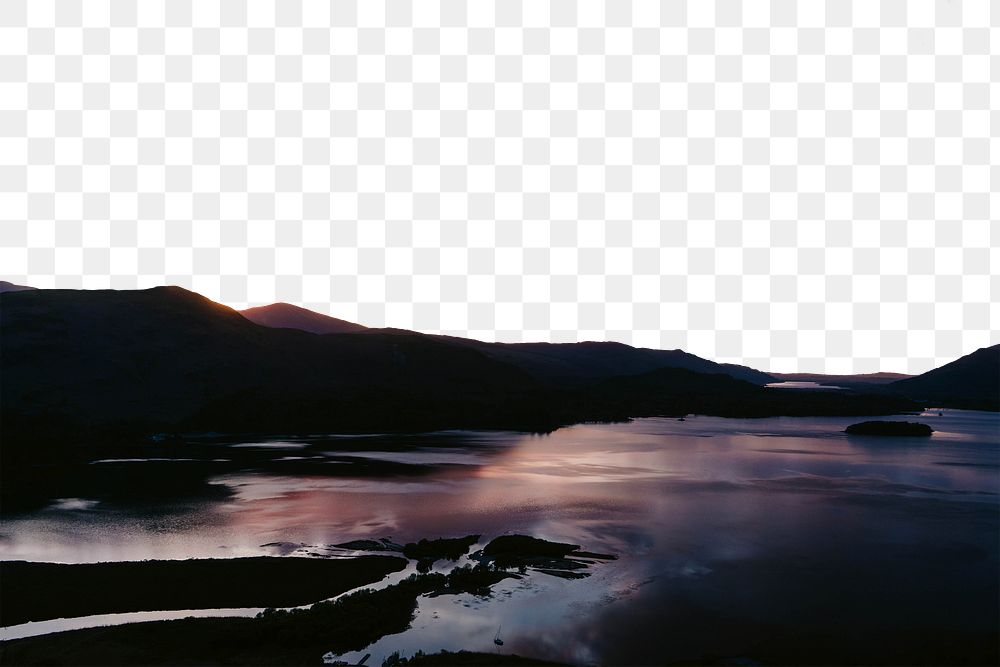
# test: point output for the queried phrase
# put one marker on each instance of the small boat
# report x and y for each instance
(497, 640)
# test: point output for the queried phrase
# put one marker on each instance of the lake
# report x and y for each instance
(778, 540)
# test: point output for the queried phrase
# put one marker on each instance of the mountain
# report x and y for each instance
(821, 378)
(287, 316)
(970, 381)
(81, 364)
(11, 287)
(587, 361)
(743, 372)
(166, 358)
(550, 363)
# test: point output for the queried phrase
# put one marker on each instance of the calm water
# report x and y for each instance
(779, 540)
(811, 386)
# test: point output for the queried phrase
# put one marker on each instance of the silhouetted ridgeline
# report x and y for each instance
(11, 287)
(971, 382)
(105, 363)
(164, 359)
(288, 316)
(559, 363)
(548, 362)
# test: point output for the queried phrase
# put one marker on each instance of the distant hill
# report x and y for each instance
(11, 287)
(546, 362)
(971, 381)
(562, 362)
(822, 378)
(287, 316)
(678, 391)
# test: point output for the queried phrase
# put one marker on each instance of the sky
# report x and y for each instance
(793, 186)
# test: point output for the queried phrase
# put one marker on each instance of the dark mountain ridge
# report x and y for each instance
(590, 360)
(547, 362)
(971, 381)
(167, 358)
(288, 316)
(6, 286)
(99, 363)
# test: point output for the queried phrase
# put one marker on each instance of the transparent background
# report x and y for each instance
(794, 186)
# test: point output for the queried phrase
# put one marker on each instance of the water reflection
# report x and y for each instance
(780, 540)
(811, 386)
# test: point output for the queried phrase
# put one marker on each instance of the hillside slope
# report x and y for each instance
(562, 362)
(288, 316)
(551, 363)
(972, 380)
(6, 286)
(167, 358)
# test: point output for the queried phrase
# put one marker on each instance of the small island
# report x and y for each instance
(889, 428)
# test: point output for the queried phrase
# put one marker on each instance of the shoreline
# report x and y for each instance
(346, 623)
(35, 591)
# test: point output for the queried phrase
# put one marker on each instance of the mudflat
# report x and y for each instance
(40, 591)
